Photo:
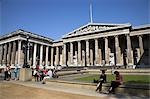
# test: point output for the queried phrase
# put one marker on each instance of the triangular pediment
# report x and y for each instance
(91, 27)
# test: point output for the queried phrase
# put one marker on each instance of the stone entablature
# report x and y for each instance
(141, 30)
(58, 43)
(21, 35)
(97, 35)
(94, 28)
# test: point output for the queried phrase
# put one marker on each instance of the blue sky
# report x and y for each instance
(54, 18)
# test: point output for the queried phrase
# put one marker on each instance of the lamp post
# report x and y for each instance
(26, 52)
(26, 71)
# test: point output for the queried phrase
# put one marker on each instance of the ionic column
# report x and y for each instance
(76, 62)
(52, 53)
(121, 57)
(129, 53)
(1, 54)
(28, 53)
(34, 55)
(79, 53)
(41, 55)
(5, 54)
(9, 53)
(61, 56)
(46, 55)
(13, 53)
(138, 55)
(19, 51)
(100, 56)
(96, 52)
(61, 59)
(117, 50)
(69, 58)
(106, 51)
(141, 45)
(71, 53)
(64, 55)
(83, 58)
(57, 55)
(91, 57)
(87, 52)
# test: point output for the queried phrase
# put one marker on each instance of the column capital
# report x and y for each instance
(139, 35)
(87, 40)
(20, 40)
(95, 38)
(127, 34)
(79, 41)
(116, 35)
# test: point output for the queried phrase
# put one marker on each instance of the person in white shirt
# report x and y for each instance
(49, 75)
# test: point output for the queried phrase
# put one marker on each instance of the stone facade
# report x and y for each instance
(95, 44)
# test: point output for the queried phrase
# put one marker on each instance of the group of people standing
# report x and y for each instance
(11, 73)
(114, 84)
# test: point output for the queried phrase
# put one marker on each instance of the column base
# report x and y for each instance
(131, 66)
(33, 66)
(107, 64)
(96, 64)
(64, 65)
(51, 67)
(47, 67)
(12, 66)
(101, 65)
(119, 65)
(88, 64)
(3, 66)
(71, 65)
(78, 64)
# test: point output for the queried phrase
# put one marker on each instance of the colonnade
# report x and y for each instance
(97, 52)
(77, 53)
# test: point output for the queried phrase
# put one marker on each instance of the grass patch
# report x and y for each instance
(142, 79)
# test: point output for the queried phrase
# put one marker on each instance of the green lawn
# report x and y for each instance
(142, 79)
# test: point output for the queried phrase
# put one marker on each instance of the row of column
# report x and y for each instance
(98, 53)
(10, 54)
(41, 55)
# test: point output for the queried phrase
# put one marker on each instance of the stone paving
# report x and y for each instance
(74, 90)
(71, 89)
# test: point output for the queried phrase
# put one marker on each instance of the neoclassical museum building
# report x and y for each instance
(94, 44)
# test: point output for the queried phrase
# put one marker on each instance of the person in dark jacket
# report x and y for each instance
(102, 80)
(116, 83)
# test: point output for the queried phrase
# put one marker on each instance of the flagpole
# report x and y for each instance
(91, 14)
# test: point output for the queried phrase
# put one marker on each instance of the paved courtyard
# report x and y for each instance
(51, 90)
(29, 90)
(36, 90)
